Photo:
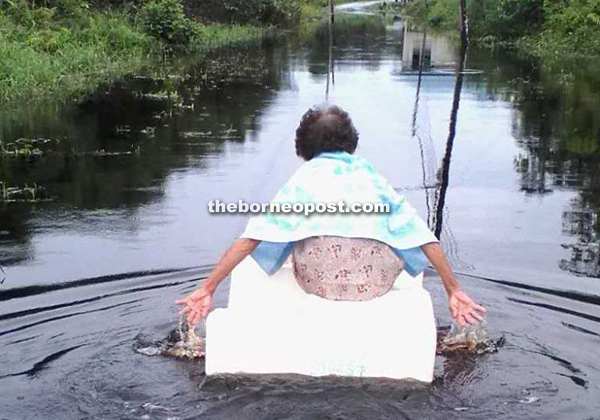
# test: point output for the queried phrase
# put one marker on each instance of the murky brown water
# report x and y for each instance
(502, 160)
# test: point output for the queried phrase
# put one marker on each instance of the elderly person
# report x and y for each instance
(338, 256)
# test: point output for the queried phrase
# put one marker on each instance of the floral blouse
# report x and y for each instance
(339, 268)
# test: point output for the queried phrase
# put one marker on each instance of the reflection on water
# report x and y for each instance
(557, 128)
(501, 159)
(427, 53)
(116, 151)
(581, 222)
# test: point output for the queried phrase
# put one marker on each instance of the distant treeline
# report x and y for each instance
(269, 12)
(546, 27)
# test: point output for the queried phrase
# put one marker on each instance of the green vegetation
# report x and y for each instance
(167, 21)
(544, 27)
(26, 193)
(265, 12)
(568, 27)
(49, 52)
(26, 148)
(63, 49)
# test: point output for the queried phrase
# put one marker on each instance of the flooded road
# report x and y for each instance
(103, 224)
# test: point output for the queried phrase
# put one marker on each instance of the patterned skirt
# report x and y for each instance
(338, 268)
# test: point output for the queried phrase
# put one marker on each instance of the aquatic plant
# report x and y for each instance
(31, 191)
(28, 193)
(26, 148)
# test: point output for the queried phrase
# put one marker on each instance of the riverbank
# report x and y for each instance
(541, 28)
(66, 51)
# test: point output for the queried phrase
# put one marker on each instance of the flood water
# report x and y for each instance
(502, 159)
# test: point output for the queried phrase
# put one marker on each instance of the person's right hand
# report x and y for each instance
(197, 305)
(463, 309)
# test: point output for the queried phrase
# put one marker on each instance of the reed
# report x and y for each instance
(28, 193)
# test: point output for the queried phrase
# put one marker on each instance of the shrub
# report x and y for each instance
(269, 12)
(22, 13)
(166, 20)
(498, 19)
(505, 19)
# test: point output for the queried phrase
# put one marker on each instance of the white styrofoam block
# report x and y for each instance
(273, 326)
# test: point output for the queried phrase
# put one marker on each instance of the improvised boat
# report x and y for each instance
(272, 326)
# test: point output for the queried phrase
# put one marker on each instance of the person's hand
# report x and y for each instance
(463, 309)
(197, 305)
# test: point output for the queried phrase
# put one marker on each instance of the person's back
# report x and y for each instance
(332, 255)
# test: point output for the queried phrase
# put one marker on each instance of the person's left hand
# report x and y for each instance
(463, 309)
(197, 305)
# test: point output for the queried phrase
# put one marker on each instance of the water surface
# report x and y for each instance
(502, 159)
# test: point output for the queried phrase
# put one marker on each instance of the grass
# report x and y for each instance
(45, 60)
(218, 35)
(61, 62)
(317, 9)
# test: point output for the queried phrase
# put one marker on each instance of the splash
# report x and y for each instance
(182, 342)
(467, 339)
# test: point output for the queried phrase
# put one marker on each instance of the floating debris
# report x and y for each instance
(149, 131)
(104, 153)
(195, 134)
(162, 115)
(162, 95)
(151, 407)
(529, 400)
(230, 130)
(190, 106)
(123, 130)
